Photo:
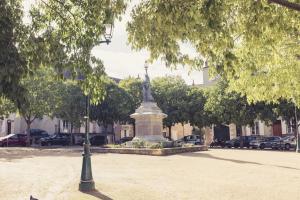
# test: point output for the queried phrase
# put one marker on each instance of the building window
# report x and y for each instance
(65, 125)
(257, 128)
(125, 133)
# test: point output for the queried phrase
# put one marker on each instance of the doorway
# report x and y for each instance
(277, 131)
(8, 127)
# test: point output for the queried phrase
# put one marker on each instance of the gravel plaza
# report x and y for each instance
(217, 174)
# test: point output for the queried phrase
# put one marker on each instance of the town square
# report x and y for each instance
(215, 174)
(149, 99)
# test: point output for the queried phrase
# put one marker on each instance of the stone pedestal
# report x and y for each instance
(148, 122)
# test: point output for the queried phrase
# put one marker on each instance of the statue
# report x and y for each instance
(147, 96)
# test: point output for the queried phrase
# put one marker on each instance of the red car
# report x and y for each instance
(13, 140)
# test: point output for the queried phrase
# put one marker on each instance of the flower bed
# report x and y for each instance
(152, 152)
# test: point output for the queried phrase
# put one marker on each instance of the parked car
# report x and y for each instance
(265, 142)
(241, 140)
(36, 135)
(254, 144)
(97, 140)
(125, 139)
(287, 143)
(233, 143)
(56, 139)
(192, 139)
(13, 140)
(269, 141)
(217, 143)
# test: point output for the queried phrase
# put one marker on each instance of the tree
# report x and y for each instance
(195, 107)
(12, 64)
(253, 44)
(286, 109)
(133, 87)
(72, 106)
(58, 34)
(42, 97)
(170, 93)
(68, 31)
(225, 107)
(113, 108)
(6, 107)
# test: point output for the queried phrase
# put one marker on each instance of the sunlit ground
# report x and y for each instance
(213, 175)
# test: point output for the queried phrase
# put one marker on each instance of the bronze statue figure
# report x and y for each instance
(147, 96)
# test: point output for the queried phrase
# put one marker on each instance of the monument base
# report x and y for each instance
(148, 121)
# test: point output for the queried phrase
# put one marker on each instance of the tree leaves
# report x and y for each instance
(253, 44)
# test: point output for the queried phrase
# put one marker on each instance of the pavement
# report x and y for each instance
(217, 174)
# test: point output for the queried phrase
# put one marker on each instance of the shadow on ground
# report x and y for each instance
(98, 195)
(209, 156)
(10, 154)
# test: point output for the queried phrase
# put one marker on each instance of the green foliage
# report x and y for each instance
(133, 87)
(114, 106)
(59, 35)
(253, 44)
(42, 95)
(170, 93)
(72, 104)
(12, 64)
(70, 29)
(223, 106)
(137, 143)
(158, 145)
(195, 107)
(6, 107)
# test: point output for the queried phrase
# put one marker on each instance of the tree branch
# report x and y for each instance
(287, 4)
(53, 9)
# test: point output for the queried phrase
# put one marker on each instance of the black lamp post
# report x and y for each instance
(86, 182)
(297, 132)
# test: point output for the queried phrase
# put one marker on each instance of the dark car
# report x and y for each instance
(264, 142)
(217, 143)
(37, 134)
(233, 143)
(286, 143)
(269, 141)
(13, 140)
(125, 139)
(97, 140)
(56, 139)
(241, 141)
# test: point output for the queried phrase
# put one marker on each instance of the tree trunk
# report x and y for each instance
(113, 134)
(59, 126)
(28, 133)
(105, 133)
(170, 131)
(71, 134)
(133, 129)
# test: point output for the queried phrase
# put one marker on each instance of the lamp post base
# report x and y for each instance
(86, 186)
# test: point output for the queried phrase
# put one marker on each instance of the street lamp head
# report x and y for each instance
(108, 32)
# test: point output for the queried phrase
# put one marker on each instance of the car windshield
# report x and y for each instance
(288, 137)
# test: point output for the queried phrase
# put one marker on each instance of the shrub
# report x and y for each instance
(138, 143)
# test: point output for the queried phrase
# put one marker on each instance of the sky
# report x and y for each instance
(120, 61)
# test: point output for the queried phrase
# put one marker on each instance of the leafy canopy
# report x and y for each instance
(42, 95)
(254, 44)
(170, 93)
(12, 65)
